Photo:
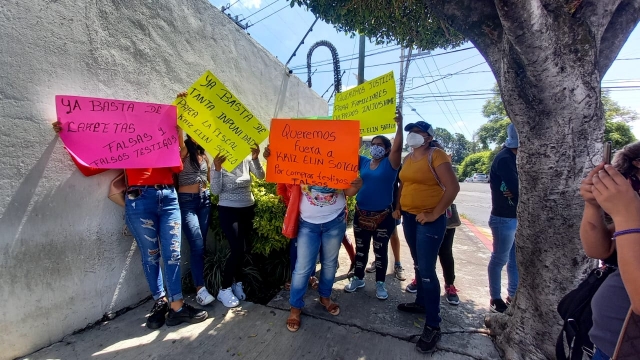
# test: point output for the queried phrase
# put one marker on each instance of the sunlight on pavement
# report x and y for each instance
(130, 343)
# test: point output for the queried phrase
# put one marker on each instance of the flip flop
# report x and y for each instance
(293, 322)
(332, 308)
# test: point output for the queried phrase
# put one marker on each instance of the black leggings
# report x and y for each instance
(446, 257)
(381, 236)
(237, 224)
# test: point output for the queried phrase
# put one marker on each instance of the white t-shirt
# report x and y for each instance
(319, 205)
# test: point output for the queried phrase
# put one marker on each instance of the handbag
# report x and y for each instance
(369, 220)
(291, 218)
(453, 218)
(117, 188)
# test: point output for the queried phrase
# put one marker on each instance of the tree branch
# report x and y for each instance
(527, 25)
(477, 20)
(597, 14)
(623, 21)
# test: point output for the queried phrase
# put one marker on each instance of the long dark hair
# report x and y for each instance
(385, 141)
(194, 150)
(623, 160)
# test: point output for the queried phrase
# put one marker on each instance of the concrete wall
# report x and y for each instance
(63, 259)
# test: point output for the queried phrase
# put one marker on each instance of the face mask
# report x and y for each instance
(415, 140)
(377, 152)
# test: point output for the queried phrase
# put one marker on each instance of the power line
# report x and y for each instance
(250, 15)
(444, 83)
(330, 62)
(397, 48)
(437, 102)
(268, 16)
(444, 77)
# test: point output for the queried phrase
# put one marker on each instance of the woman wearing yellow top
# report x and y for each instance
(428, 187)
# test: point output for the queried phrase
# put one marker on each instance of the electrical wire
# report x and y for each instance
(444, 83)
(268, 16)
(250, 15)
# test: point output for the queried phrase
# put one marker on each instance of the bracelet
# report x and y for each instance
(625, 232)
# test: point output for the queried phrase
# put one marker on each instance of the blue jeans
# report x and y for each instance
(195, 209)
(424, 243)
(599, 355)
(310, 238)
(293, 255)
(504, 253)
(153, 217)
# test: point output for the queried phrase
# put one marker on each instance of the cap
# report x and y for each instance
(512, 141)
(422, 125)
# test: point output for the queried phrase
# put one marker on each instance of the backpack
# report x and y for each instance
(575, 310)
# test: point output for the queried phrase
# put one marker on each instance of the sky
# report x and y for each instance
(462, 78)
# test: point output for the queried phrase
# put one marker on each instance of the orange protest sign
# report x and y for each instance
(314, 152)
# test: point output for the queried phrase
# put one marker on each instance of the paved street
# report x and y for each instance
(474, 204)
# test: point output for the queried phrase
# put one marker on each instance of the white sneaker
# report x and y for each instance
(227, 298)
(238, 292)
(203, 297)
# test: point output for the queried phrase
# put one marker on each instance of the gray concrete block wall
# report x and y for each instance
(63, 259)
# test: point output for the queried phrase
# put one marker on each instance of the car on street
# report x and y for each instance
(480, 178)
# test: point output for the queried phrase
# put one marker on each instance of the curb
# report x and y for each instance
(483, 239)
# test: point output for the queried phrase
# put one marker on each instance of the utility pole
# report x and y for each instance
(361, 60)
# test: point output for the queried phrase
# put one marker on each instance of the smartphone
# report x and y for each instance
(606, 157)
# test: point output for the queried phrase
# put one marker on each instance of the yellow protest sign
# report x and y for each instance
(218, 121)
(373, 103)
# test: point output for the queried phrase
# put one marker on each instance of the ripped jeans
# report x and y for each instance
(424, 243)
(153, 217)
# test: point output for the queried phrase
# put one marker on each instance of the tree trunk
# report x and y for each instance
(554, 102)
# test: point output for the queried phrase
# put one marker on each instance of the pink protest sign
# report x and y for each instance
(119, 134)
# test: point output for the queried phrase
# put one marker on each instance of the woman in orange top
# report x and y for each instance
(428, 187)
(152, 214)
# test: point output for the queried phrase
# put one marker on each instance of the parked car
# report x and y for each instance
(480, 178)
(468, 180)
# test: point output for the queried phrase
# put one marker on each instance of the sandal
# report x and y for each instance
(331, 307)
(287, 286)
(313, 282)
(293, 322)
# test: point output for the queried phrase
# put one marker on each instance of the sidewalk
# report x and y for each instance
(367, 328)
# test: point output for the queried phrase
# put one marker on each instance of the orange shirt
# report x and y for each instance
(152, 176)
(420, 189)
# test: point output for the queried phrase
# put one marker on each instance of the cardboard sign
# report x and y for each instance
(373, 103)
(313, 152)
(218, 121)
(118, 134)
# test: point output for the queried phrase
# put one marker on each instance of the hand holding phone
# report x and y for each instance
(606, 157)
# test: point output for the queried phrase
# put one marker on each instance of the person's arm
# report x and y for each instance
(594, 233)
(509, 174)
(355, 187)
(255, 166)
(216, 175)
(395, 155)
(449, 180)
(616, 196)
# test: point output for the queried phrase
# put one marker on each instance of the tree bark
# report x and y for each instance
(547, 64)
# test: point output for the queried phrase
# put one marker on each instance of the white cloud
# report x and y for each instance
(252, 3)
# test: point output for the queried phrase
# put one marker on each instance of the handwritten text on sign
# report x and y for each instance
(313, 152)
(373, 103)
(218, 121)
(119, 134)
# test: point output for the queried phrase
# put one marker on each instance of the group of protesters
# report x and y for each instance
(417, 192)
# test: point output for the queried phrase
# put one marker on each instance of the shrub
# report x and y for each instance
(475, 163)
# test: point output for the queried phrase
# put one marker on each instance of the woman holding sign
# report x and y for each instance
(428, 187)
(152, 215)
(374, 214)
(236, 210)
(195, 206)
(321, 227)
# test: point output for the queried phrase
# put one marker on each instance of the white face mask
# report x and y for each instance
(415, 140)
